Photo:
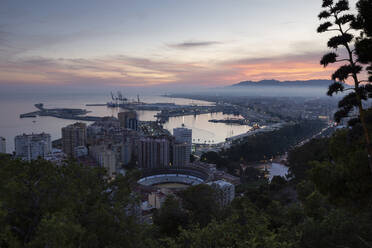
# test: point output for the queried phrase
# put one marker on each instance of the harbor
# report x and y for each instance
(87, 108)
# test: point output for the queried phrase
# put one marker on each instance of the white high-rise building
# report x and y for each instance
(2, 145)
(32, 146)
(183, 136)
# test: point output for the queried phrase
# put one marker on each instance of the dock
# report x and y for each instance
(63, 113)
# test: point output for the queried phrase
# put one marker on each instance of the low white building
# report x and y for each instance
(156, 199)
(80, 151)
(225, 192)
(56, 157)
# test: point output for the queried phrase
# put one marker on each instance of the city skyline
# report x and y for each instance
(167, 43)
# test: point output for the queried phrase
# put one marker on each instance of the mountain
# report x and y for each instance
(272, 82)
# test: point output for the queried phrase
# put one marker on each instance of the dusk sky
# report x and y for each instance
(159, 42)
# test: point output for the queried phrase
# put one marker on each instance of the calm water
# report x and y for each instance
(12, 106)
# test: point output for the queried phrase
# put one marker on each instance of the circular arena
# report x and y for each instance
(173, 177)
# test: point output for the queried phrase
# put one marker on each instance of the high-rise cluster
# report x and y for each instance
(113, 143)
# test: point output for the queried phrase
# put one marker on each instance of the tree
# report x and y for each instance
(299, 158)
(245, 227)
(170, 217)
(200, 202)
(363, 22)
(339, 20)
(44, 205)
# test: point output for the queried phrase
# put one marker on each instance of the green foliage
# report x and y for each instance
(299, 158)
(171, 217)
(346, 178)
(246, 227)
(220, 162)
(200, 203)
(251, 174)
(44, 205)
(304, 189)
(336, 166)
(337, 229)
(269, 144)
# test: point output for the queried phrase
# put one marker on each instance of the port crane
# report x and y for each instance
(119, 99)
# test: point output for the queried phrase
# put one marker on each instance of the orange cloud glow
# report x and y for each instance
(130, 71)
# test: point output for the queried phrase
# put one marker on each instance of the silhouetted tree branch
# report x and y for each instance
(337, 18)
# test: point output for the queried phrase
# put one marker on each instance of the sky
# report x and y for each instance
(157, 43)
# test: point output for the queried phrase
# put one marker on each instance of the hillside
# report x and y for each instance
(272, 82)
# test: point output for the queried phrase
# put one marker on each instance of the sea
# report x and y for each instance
(12, 105)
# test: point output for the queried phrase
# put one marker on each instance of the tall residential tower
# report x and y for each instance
(128, 119)
(73, 136)
(182, 148)
(154, 152)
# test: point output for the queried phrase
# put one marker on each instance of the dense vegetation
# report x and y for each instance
(270, 144)
(351, 45)
(331, 206)
(263, 146)
(43, 205)
(327, 203)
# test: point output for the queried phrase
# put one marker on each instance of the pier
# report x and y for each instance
(63, 113)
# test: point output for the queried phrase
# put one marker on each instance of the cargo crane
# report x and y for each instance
(119, 99)
(114, 99)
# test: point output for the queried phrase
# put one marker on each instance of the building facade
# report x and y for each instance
(105, 157)
(181, 154)
(183, 136)
(73, 136)
(32, 146)
(128, 119)
(154, 152)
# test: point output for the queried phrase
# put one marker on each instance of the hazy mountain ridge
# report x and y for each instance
(273, 82)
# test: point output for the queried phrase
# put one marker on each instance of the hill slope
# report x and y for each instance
(305, 83)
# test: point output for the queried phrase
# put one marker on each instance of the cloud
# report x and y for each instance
(123, 70)
(193, 44)
(114, 70)
(285, 67)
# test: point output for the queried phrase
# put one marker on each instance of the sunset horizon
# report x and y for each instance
(145, 44)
